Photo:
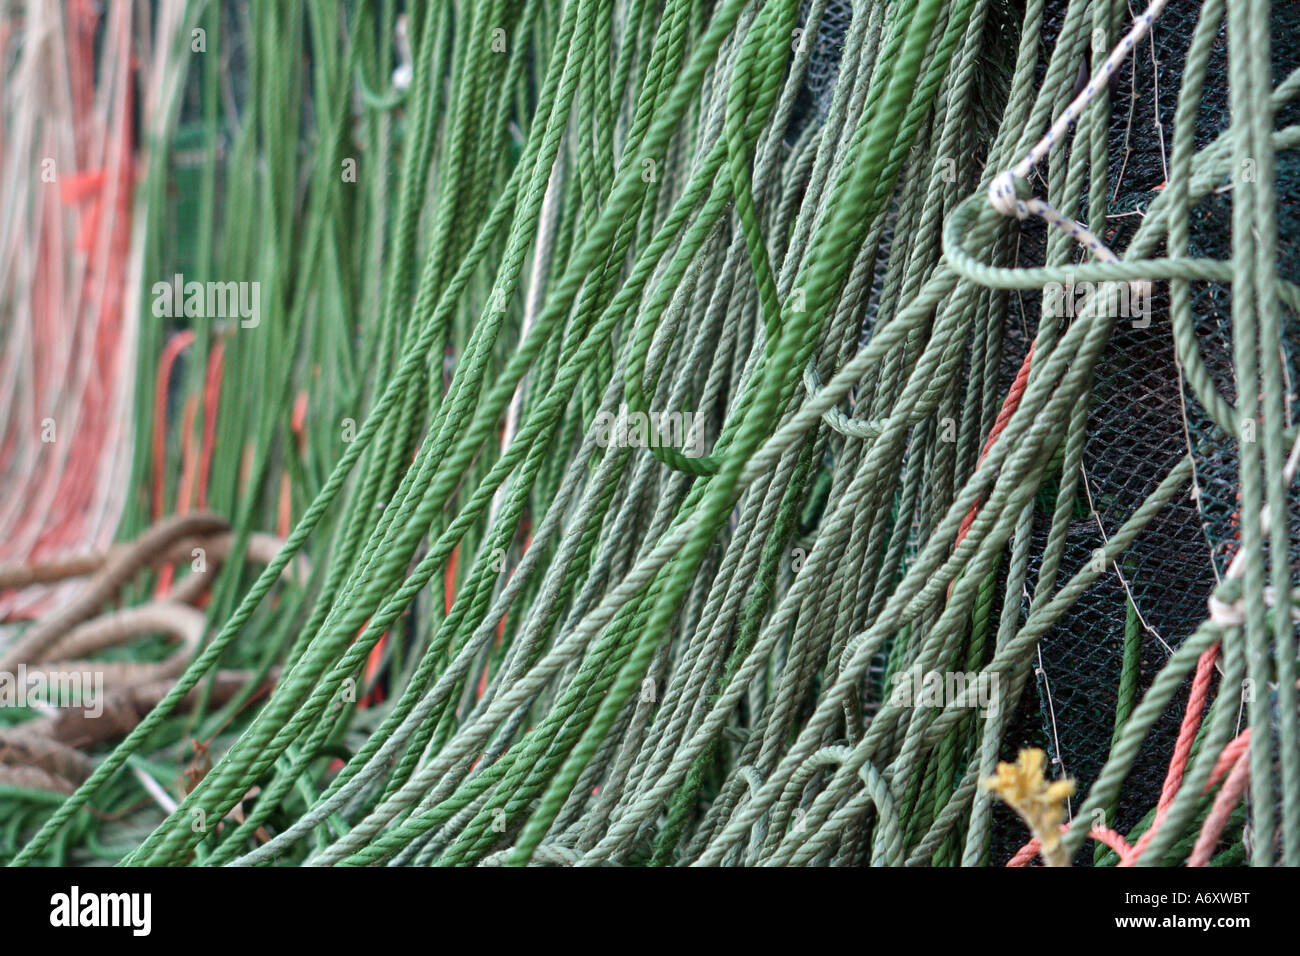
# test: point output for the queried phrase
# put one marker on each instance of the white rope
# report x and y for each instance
(1002, 190)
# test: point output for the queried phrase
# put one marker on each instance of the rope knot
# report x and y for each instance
(1227, 614)
(1003, 197)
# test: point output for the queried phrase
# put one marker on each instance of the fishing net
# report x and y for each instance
(1142, 420)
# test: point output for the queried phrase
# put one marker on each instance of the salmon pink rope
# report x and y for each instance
(1221, 810)
(1025, 855)
(1182, 748)
(211, 398)
(179, 342)
(69, 493)
(1009, 406)
(1129, 855)
(1228, 759)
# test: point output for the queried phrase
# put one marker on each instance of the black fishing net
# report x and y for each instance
(1142, 421)
(827, 49)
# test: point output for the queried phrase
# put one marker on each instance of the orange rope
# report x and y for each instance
(211, 397)
(1182, 748)
(1224, 803)
(1025, 855)
(1228, 759)
(1009, 406)
(173, 349)
(1187, 731)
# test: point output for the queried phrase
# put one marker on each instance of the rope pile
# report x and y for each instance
(645, 393)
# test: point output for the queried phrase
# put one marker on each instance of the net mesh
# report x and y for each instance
(1142, 421)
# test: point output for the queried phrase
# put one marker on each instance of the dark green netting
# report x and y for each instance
(1141, 423)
